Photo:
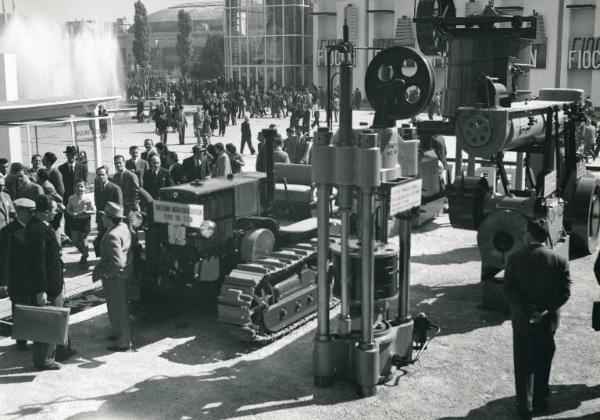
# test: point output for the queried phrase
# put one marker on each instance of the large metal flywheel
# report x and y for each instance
(399, 83)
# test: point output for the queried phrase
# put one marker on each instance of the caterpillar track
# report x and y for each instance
(266, 299)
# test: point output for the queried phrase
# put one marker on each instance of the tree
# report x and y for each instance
(211, 60)
(141, 42)
(184, 41)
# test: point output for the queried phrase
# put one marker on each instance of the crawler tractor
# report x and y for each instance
(219, 238)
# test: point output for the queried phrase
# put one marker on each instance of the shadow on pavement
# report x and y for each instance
(563, 398)
(429, 226)
(454, 308)
(248, 388)
(455, 256)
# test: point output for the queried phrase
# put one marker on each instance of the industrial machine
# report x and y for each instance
(219, 239)
(492, 112)
(370, 270)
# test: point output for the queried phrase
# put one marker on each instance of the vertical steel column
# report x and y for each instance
(323, 333)
(404, 269)
(368, 266)
(519, 169)
(345, 197)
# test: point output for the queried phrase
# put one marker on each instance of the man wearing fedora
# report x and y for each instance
(14, 258)
(71, 171)
(115, 269)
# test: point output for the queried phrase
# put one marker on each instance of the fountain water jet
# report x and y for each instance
(54, 63)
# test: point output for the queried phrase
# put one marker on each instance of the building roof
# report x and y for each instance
(208, 12)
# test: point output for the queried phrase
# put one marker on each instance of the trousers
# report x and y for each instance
(115, 290)
(533, 351)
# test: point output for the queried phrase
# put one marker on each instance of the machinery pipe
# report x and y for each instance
(404, 269)
(345, 200)
(323, 262)
(368, 267)
(345, 136)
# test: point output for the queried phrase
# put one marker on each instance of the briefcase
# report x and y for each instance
(44, 324)
(596, 316)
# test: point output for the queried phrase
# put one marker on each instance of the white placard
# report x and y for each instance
(176, 234)
(549, 183)
(405, 196)
(179, 214)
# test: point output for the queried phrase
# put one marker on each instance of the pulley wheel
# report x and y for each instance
(399, 83)
(585, 207)
(429, 41)
(499, 236)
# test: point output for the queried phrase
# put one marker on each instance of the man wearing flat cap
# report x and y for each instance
(14, 258)
(115, 269)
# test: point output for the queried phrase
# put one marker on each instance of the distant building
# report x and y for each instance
(207, 19)
(268, 43)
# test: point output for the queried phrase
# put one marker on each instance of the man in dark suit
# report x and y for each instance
(129, 184)
(104, 191)
(175, 168)
(149, 149)
(45, 272)
(537, 284)
(156, 178)
(14, 258)
(246, 136)
(196, 166)
(136, 164)
(71, 171)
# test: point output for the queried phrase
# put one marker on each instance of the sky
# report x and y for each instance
(98, 10)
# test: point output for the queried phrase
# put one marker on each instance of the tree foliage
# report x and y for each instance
(211, 60)
(141, 41)
(184, 41)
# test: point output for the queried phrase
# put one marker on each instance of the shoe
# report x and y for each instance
(118, 348)
(51, 366)
(61, 356)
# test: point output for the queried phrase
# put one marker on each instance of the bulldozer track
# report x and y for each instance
(250, 315)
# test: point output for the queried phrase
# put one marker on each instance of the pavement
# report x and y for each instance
(187, 367)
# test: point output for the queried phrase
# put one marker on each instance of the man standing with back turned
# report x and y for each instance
(537, 284)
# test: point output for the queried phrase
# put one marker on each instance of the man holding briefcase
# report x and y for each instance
(45, 279)
(14, 258)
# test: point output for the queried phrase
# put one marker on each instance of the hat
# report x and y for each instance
(24, 203)
(113, 210)
(71, 150)
(43, 203)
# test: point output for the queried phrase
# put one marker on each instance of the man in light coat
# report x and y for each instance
(115, 269)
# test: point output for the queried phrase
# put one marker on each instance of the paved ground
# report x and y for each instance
(187, 367)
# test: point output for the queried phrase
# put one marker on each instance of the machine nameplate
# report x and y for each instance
(549, 183)
(405, 196)
(180, 214)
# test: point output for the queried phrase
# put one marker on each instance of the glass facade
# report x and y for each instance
(268, 43)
